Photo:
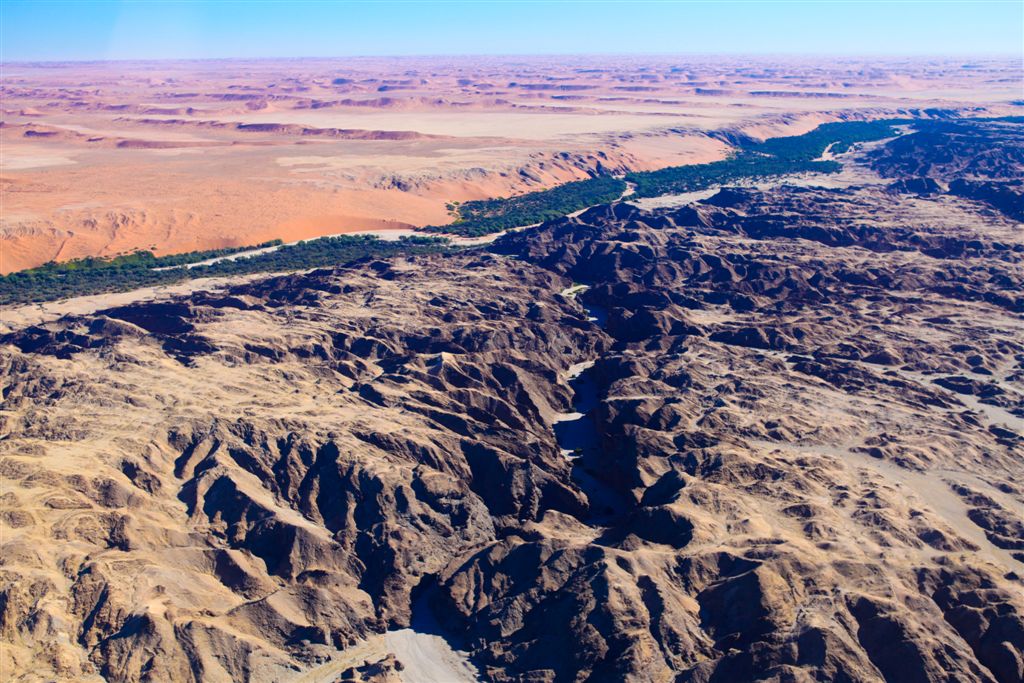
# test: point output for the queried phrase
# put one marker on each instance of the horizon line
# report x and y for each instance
(468, 55)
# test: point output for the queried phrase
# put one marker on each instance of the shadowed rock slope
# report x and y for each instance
(980, 159)
(808, 422)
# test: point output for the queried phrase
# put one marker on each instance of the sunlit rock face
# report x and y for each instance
(801, 459)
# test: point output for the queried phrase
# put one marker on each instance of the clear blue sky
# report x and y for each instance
(84, 29)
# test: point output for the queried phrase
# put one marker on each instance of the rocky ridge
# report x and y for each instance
(808, 418)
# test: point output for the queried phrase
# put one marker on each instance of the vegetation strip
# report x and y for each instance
(773, 157)
(142, 269)
(753, 159)
(487, 216)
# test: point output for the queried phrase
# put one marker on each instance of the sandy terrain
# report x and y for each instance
(424, 658)
(33, 314)
(428, 658)
(104, 158)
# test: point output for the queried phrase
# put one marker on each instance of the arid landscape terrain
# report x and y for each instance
(769, 428)
(106, 158)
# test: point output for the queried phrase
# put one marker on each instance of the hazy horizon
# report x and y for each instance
(61, 31)
(536, 55)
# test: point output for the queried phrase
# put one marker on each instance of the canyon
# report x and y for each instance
(772, 432)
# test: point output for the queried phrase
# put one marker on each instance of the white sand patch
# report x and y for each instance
(429, 658)
(19, 162)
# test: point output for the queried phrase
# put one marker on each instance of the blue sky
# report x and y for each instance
(83, 29)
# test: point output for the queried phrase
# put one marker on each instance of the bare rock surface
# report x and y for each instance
(801, 459)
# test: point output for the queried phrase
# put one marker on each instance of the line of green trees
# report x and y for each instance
(141, 258)
(840, 136)
(141, 269)
(487, 216)
(773, 157)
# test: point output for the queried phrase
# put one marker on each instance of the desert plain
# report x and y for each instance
(111, 157)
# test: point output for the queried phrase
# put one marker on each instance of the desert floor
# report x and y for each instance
(106, 158)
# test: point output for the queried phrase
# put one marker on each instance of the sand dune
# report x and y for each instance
(193, 155)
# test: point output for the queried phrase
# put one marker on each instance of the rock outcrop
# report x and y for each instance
(806, 410)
